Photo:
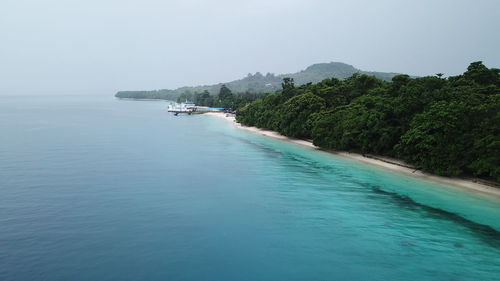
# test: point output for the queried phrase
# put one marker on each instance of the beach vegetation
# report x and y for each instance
(447, 126)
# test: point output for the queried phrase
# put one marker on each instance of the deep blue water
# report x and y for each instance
(94, 188)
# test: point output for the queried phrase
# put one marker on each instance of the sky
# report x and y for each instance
(102, 46)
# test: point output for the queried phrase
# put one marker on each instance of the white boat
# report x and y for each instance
(183, 107)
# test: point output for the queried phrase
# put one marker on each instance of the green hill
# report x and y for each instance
(258, 83)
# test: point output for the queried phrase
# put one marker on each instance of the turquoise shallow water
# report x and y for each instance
(93, 188)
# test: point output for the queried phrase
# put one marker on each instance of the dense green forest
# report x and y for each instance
(447, 126)
(259, 83)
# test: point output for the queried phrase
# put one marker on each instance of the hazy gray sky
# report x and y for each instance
(100, 46)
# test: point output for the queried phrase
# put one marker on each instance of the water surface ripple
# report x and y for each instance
(94, 188)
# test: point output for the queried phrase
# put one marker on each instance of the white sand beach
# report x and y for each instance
(383, 162)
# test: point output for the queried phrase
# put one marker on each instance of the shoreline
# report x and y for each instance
(393, 165)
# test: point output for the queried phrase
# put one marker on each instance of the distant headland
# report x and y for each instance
(259, 83)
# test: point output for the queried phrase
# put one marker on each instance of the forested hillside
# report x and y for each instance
(447, 126)
(258, 83)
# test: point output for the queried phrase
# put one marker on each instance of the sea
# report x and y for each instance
(97, 188)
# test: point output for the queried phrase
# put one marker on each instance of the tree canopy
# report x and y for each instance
(448, 126)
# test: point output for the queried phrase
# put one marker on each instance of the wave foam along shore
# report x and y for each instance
(395, 166)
